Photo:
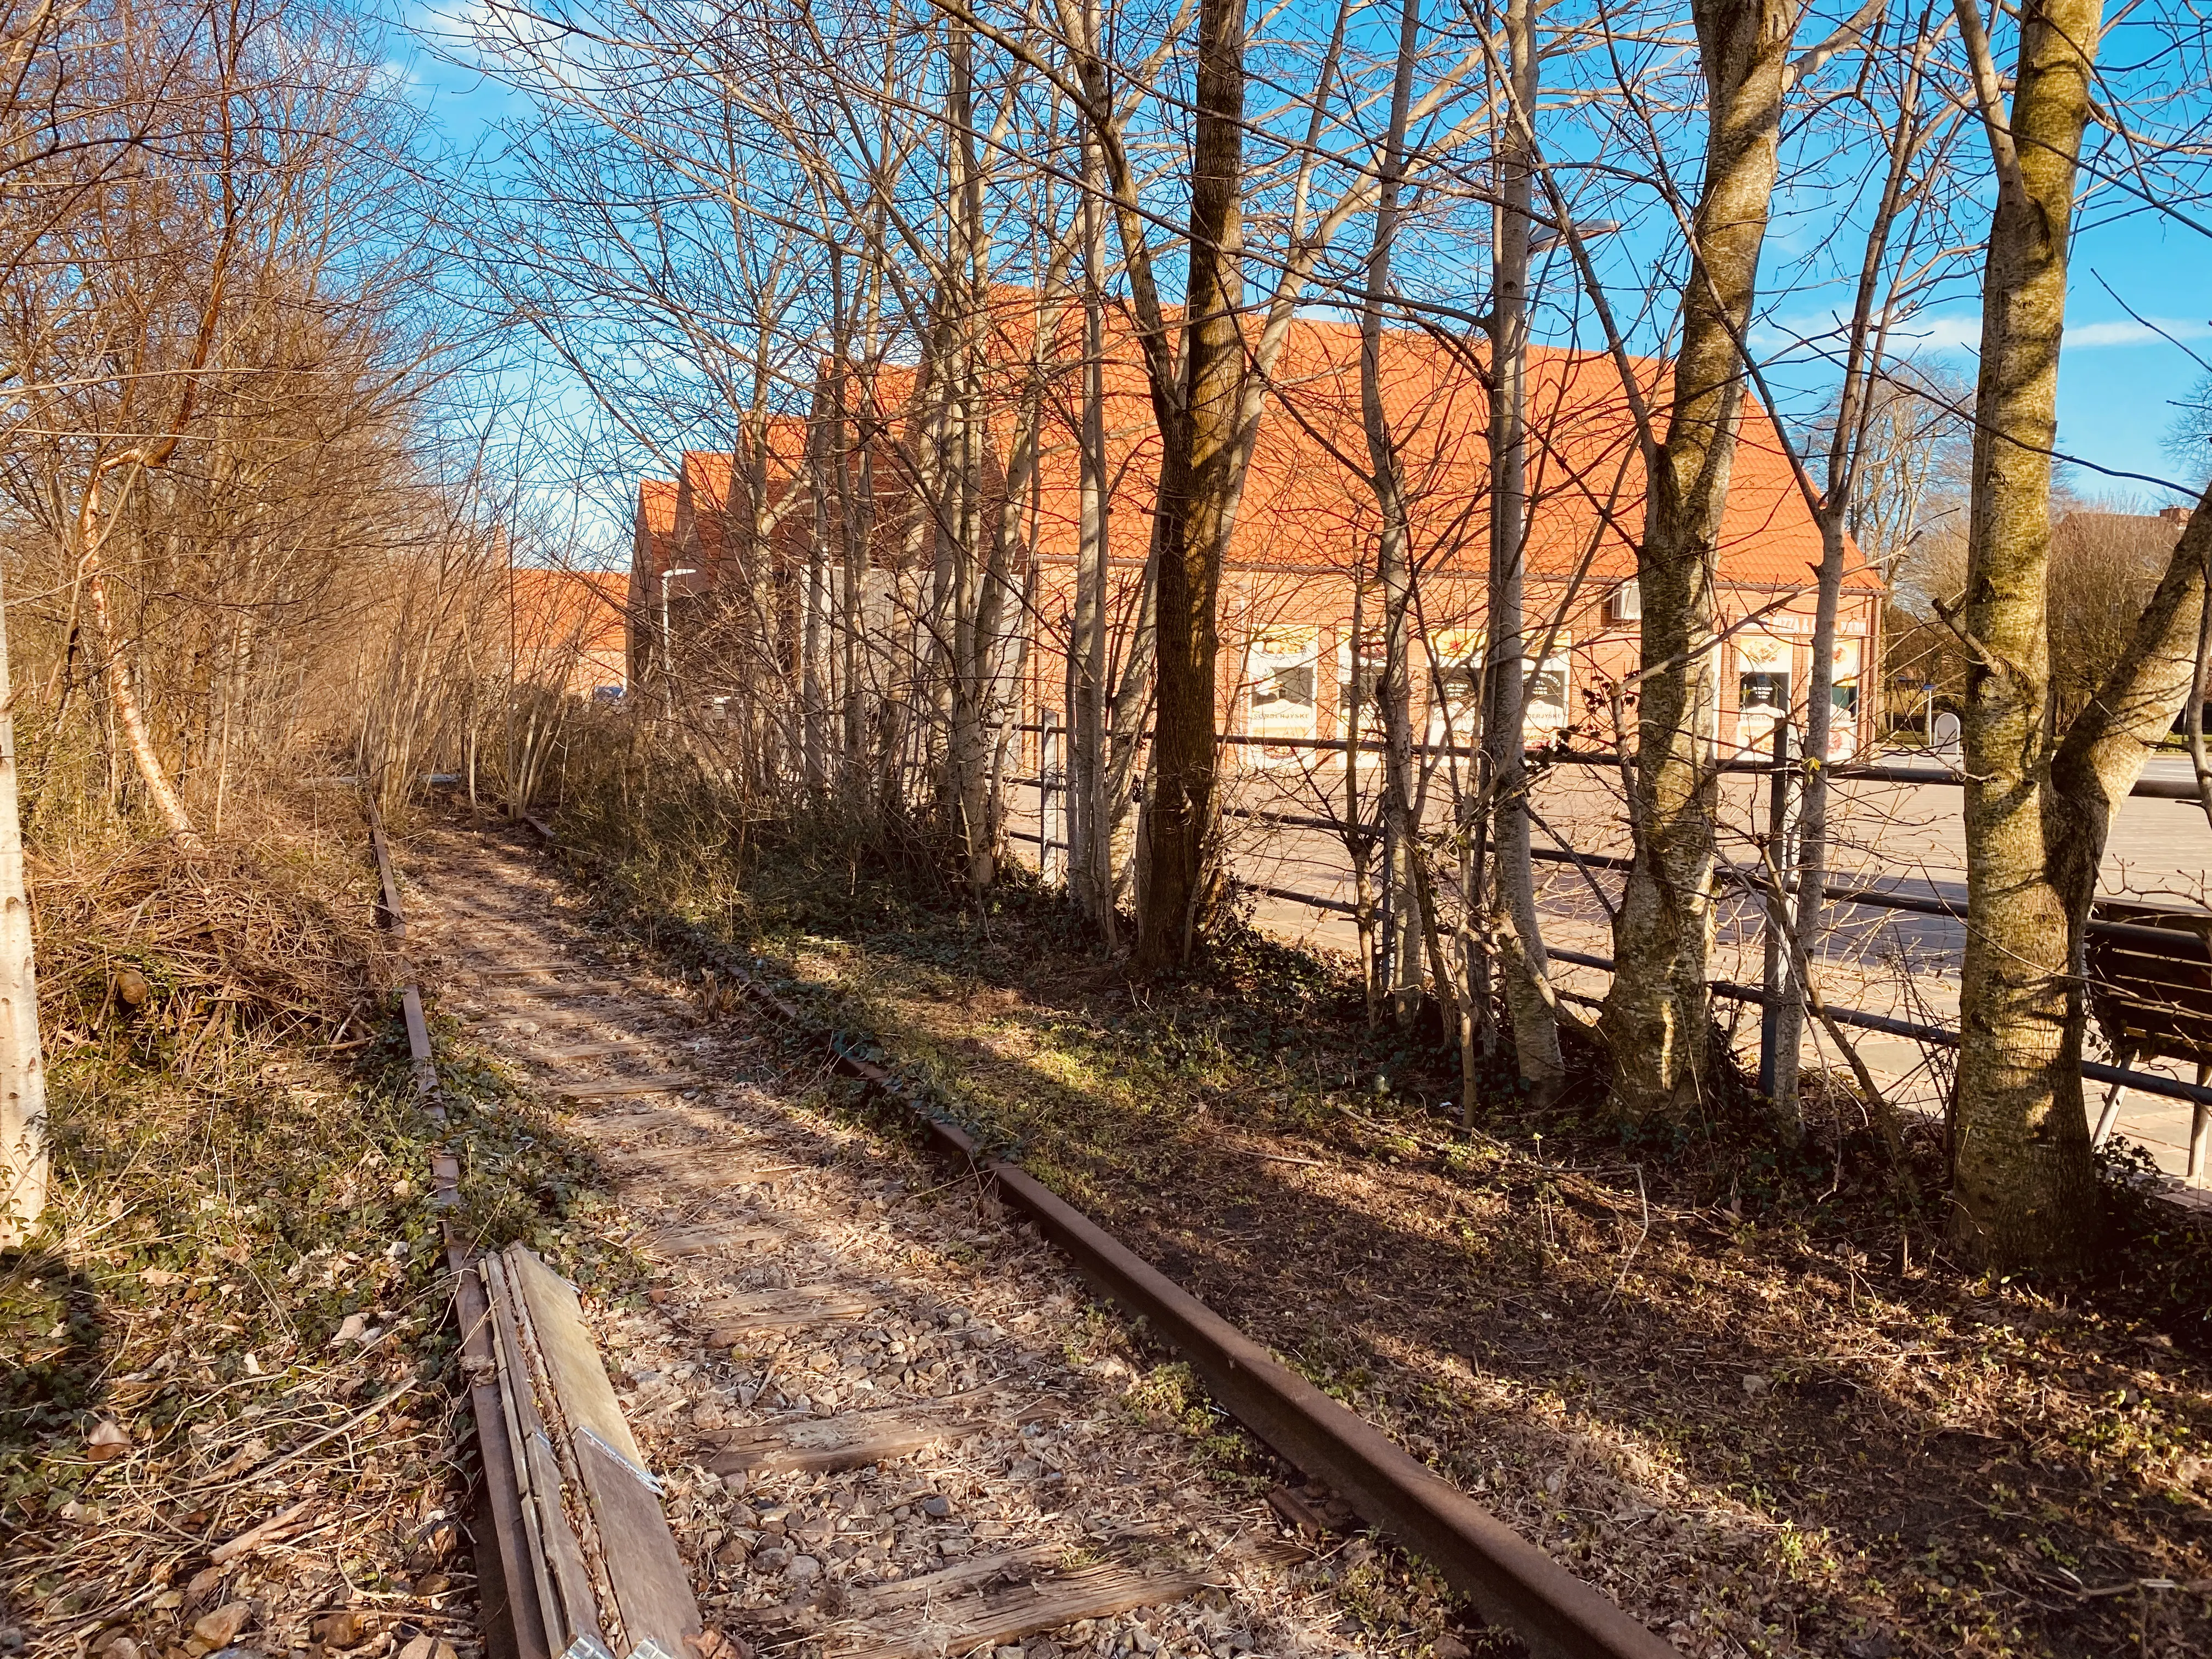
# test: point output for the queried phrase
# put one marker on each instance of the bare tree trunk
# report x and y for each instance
(1359, 845)
(1125, 726)
(130, 715)
(1403, 922)
(2024, 1192)
(22, 1067)
(855, 512)
(1090, 853)
(1198, 480)
(974, 589)
(814, 621)
(1656, 1022)
(1526, 967)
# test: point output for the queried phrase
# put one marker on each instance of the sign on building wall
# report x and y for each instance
(1844, 699)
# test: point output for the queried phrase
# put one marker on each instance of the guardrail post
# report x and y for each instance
(1775, 1031)
(1052, 797)
(2200, 1133)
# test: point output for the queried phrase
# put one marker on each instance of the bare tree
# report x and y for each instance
(2038, 803)
(1656, 1022)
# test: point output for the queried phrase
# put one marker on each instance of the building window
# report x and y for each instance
(1283, 679)
(1627, 603)
(1288, 692)
(1361, 671)
(1455, 685)
(1763, 663)
(1762, 691)
(1544, 702)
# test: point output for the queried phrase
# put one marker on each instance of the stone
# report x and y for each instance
(343, 1629)
(1448, 1646)
(220, 1628)
(802, 1568)
(936, 1506)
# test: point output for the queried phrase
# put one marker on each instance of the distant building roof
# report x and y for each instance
(1307, 504)
(570, 625)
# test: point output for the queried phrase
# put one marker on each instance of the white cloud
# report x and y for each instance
(2157, 330)
(1961, 332)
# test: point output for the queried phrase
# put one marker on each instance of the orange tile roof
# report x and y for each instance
(1307, 505)
(569, 622)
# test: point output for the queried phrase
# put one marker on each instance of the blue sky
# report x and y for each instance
(2118, 381)
(2116, 387)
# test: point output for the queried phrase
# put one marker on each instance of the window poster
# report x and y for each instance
(1762, 695)
(1282, 672)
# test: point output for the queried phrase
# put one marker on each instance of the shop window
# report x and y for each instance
(1288, 690)
(1763, 691)
(1284, 680)
(1545, 705)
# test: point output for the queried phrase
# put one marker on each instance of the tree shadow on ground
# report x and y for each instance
(1727, 1424)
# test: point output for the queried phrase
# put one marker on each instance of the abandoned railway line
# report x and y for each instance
(880, 1415)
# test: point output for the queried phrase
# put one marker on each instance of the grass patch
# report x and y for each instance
(235, 1309)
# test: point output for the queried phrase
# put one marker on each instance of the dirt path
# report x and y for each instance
(887, 1420)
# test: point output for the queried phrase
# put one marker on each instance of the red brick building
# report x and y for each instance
(571, 628)
(1307, 530)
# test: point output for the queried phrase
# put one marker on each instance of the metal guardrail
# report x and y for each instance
(1851, 771)
(2190, 947)
(2148, 1083)
(1859, 772)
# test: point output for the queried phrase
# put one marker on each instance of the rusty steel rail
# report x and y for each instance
(1508, 1580)
(510, 1622)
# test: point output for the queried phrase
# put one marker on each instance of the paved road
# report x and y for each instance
(1903, 838)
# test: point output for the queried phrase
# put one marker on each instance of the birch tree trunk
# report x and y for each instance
(1526, 970)
(2024, 1192)
(22, 1067)
(1656, 1022)
(1091, 857)
(1403, 922)
(814, 619)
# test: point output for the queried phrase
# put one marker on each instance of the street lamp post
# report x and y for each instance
(667, 638)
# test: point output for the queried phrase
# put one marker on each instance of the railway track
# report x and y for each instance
(883, 1420)
(851, 1382)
